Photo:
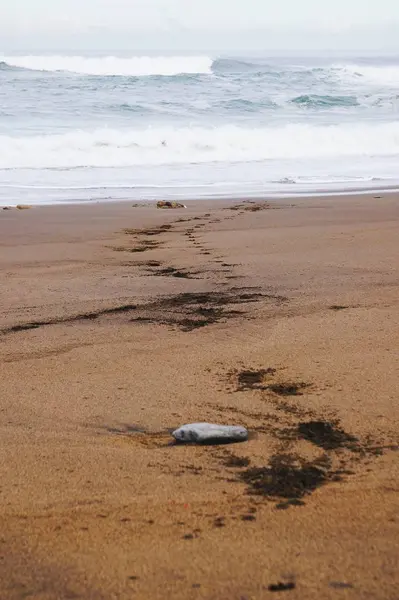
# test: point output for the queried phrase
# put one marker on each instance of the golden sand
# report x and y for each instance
(120, 323)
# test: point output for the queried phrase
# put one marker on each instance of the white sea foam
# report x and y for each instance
(192, 145)
(385, 75)
(112, 65)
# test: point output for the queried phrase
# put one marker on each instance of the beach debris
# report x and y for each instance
(209, 433)
(23, 206)
(340, 585)
(168, 204)
(7, 207)
(282, 587)
(250, 206)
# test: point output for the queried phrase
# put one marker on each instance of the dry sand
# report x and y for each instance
(283, 319)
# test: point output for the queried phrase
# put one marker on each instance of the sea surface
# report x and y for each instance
(89, 128)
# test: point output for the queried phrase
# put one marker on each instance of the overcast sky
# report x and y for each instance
(173, 24)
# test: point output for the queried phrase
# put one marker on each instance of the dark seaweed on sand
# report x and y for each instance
(250, 379)
(286, 476)
(326, 435)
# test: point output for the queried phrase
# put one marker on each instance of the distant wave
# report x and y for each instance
(244, 106)
(194, 145)
(315, 100)
(230, 65)
(143, 66)
(378, 74)
(135, 66)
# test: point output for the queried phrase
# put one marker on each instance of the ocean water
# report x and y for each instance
(89, 128)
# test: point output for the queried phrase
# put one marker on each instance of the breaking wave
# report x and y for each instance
(197, 145)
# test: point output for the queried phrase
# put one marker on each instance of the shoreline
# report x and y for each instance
(119, 324)
(211, 197)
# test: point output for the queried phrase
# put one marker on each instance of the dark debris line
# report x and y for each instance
(187, 311)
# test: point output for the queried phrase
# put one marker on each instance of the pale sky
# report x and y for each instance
(101, 24)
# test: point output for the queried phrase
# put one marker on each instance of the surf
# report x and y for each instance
(169, 145)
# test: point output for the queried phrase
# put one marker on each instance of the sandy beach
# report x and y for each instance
(120, 323)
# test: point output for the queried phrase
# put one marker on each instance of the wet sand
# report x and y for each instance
(120, 323)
